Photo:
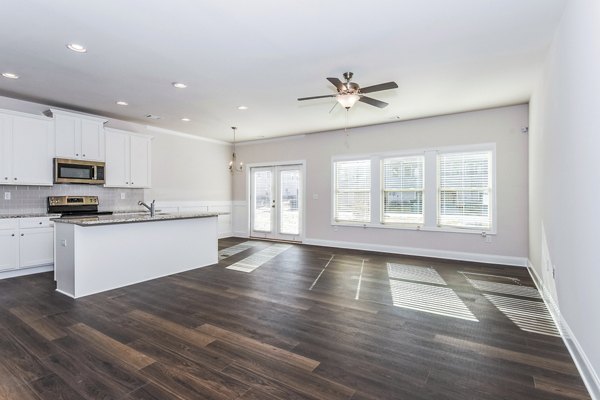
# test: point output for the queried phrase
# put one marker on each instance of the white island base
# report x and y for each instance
(94, 258)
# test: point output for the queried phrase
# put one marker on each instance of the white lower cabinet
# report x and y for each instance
(36, 247)
(9, 249)
(26, 243)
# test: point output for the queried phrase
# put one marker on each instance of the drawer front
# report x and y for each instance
(9, 223)
(42, 222)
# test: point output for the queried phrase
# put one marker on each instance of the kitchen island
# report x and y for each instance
(106, 252)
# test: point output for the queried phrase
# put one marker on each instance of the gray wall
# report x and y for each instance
(188, 169)
(501, 126)
(565, 177)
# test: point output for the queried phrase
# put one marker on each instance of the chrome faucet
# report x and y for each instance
(149, 207)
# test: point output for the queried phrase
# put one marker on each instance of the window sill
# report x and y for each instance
(417, 228)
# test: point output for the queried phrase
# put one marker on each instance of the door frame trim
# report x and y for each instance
(302, 164)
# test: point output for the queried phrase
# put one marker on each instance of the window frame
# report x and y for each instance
(382, 191)
(491, 192)
(334, 221)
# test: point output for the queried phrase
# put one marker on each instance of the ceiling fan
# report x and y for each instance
(349, 92)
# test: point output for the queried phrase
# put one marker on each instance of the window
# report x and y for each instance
(449, 189)
(402, 190)
(352, 198)
(465, 190)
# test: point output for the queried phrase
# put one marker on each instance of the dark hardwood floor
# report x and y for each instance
(310, 323)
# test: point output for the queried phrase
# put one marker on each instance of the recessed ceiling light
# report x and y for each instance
(122, 103)
(76, 48)
(179, 85)
(185, 119)
(152, 116)
(10, 75)
(242, 107)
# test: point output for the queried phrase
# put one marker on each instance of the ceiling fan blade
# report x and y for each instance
(316, 97)
(381, 86)
(337, 83)
(373, 102)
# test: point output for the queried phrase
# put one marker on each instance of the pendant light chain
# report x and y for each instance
(232, 166)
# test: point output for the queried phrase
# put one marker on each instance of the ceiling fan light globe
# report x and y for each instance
(347, 100)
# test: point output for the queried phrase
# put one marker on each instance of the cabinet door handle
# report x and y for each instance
(132, 183)
(22, 234)
(6, 178)
(15, 179)
(84, 155)
(13, 235)
(77, 154)
(40, 223)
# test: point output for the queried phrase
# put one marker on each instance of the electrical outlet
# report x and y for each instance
(122, 195)
(6, 195)
(315, 196)
(488, 239)
(63, 243)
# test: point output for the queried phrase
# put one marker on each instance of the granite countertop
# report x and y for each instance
(131, 218)
(30, 215)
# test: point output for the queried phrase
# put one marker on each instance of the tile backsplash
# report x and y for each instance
(33, 199)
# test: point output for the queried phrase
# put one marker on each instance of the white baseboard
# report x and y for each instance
(26, 271)
(585, 367)
(241, 234)
(414, 251)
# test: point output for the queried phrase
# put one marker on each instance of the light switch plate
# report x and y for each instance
(6, 195)
(315, 196)
(123, 196)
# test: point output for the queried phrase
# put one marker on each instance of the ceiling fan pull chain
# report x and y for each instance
(346, 130)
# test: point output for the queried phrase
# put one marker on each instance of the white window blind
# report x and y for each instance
(402, 200)
(352, 198)
(465, 190)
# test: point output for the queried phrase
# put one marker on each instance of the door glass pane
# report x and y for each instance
(289, 211)
(263, 199)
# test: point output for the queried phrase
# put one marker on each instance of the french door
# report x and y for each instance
(276, 202)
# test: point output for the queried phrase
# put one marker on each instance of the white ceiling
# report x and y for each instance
(446, 56)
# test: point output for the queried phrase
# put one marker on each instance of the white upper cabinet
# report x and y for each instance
(79, 137)
(5, 148)
(116, 172)
(128, 159)
(139, 150)
(27, 149)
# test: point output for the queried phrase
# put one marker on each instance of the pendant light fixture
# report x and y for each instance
(233, 166)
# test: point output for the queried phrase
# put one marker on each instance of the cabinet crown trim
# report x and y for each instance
(25, 115)
(53, 111)
(115, 130)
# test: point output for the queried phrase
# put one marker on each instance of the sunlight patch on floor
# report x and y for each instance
(430, 299)
(414, 273)
(238, 248)
(528, 315)
(505, 288)
(259, 258)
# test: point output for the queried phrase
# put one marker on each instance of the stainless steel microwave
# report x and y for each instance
(78, 171)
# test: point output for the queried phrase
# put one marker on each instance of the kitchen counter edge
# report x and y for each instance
(123, 219)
